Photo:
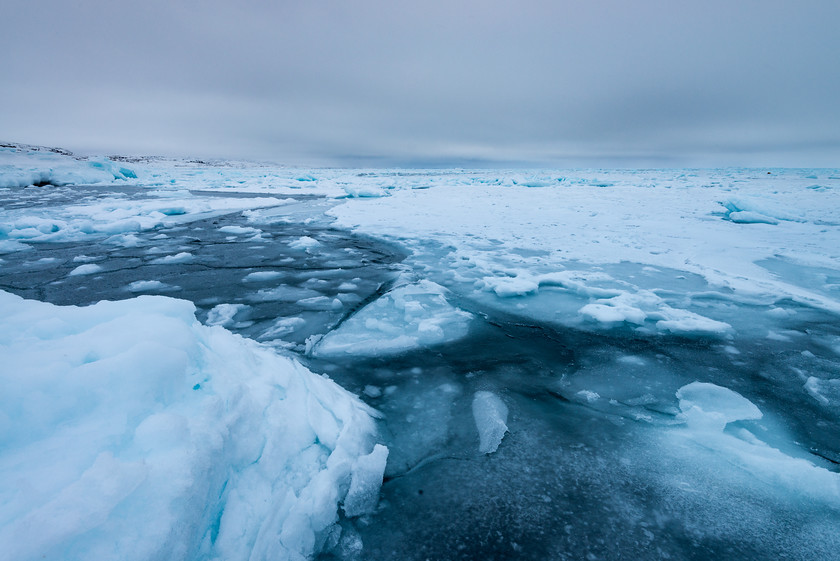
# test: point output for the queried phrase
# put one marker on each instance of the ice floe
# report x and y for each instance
(408, 317)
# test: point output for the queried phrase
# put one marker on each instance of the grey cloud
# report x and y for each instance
(435, 82)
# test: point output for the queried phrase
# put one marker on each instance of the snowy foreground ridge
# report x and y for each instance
(131, 431)
(522, 364)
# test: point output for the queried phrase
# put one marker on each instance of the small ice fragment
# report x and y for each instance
(305, 243)
(182, 257)
(260, 276)
(365, 482)
(283, 326)
(88, 269)
(146, 286)
(239, 230)
(589, 396)
(490, 414)
(372, 391)
(223, 314)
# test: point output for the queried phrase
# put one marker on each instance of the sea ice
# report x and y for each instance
(490, 414)
(709, 408)
(305, 243)
(183, 257)
(826, 392)
(408, 317)
(147, 286)
(262, 276)
(88, 269)
(365, 481)
(130, 431)
(223, 314)
(709, 405)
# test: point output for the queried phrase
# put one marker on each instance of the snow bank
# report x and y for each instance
(409, 317)
(130, 431)
(20, 167)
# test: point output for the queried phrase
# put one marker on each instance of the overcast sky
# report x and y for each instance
(438, 82)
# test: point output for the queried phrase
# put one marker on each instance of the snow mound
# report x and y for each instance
(409, 317)
(130, 431)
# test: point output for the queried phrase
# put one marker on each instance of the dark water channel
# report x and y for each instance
(573, 479)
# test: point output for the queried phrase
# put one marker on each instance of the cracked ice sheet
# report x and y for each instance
(499, 227)
(131, 431)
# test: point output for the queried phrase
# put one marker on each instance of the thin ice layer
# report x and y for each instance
(131, 431)
(409, 317)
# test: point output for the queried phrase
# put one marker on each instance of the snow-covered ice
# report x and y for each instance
(131, 431)
(648, 360)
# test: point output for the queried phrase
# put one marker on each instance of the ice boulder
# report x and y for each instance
(128, 430)
(409, 317)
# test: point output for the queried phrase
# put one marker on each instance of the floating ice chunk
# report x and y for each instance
(261, 276)
(148, 286)
(183, 257)
(372, 391)
(88, 269)
(12, 246)
(365, 482)
(283, 326)
(304, 242)
(322, 303)
(710, 407)
(589, 396)
(408, 317)
(223, 314)
(614, 313)
(490, 414)
(239, 230)
(639, 307)
(509, 287)
(131, 431)
(826, 392)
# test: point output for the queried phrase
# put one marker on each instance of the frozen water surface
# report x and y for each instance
(569, 365)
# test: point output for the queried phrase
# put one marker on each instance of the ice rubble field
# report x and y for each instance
(131, 430)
